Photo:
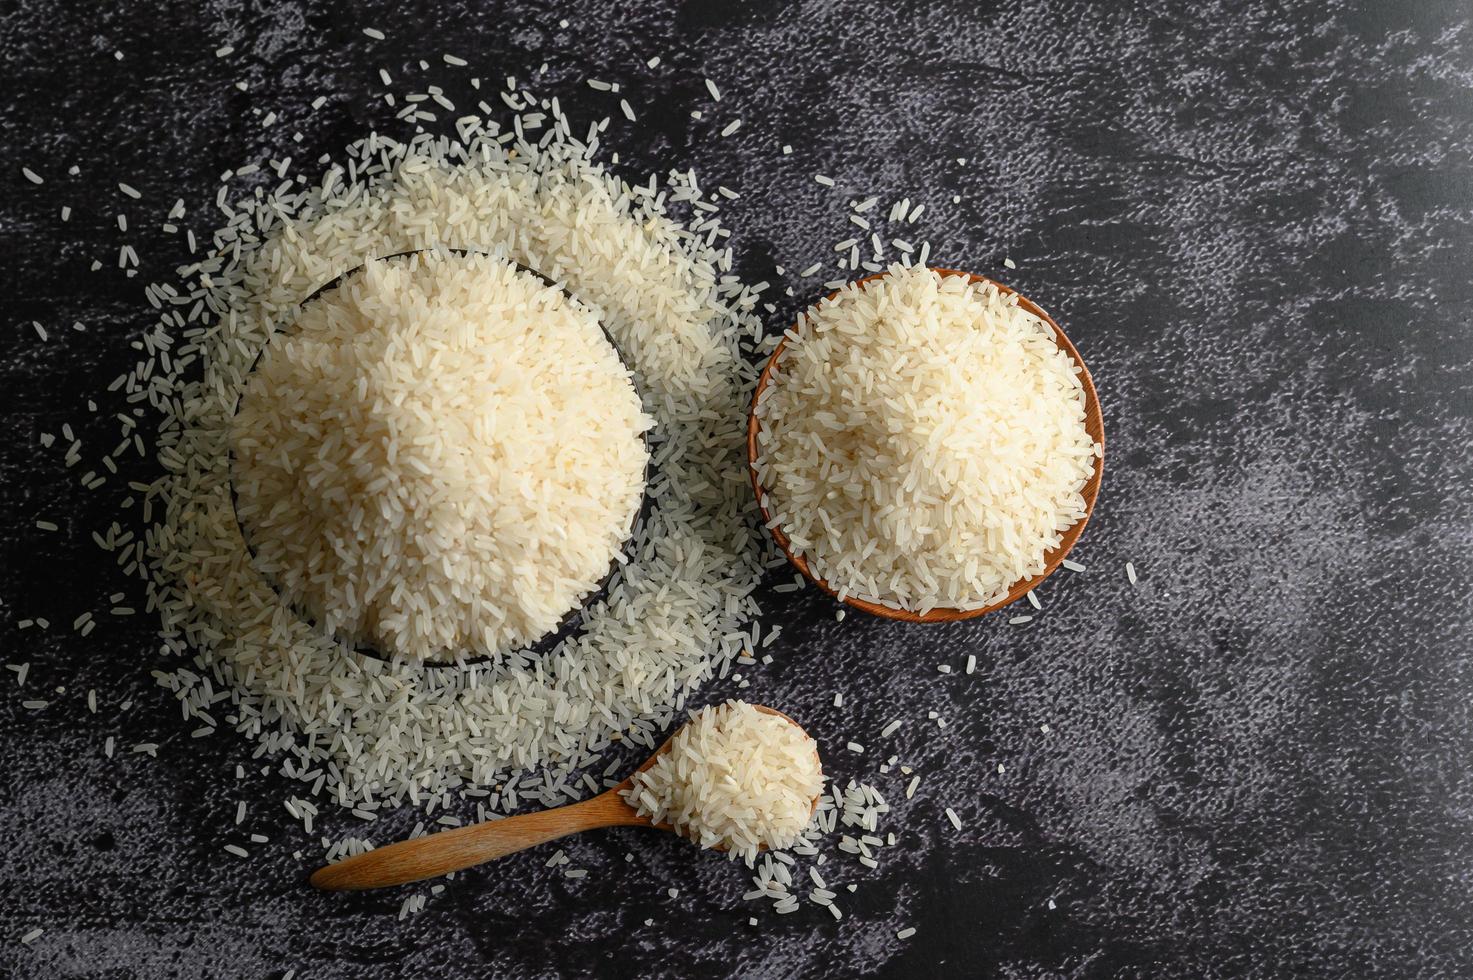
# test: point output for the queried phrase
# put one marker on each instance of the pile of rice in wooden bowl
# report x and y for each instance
(925, 444)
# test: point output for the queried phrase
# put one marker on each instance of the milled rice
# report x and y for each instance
(367, 732)
(440, 455)
(922, 441)
(734, 777)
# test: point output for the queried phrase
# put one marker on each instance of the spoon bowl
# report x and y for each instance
(1093, 425)
(453, 850)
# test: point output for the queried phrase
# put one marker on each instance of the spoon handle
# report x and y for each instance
(452, 850)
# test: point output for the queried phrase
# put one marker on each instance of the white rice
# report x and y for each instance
(398, 733)
(733, 777)
(440, 455)
(922, 442)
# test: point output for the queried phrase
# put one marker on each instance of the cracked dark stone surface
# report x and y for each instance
(1257, 228)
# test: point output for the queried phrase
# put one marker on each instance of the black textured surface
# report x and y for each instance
(1255, 226)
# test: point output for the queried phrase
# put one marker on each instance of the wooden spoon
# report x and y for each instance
(453, 850)
(1093, 424)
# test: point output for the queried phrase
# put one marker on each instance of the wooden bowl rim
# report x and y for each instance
(1094, 423)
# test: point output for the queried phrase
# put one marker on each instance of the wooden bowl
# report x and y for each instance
(1093, 424)
(572, 622)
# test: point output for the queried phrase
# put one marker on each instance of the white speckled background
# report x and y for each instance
(1257, 227)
